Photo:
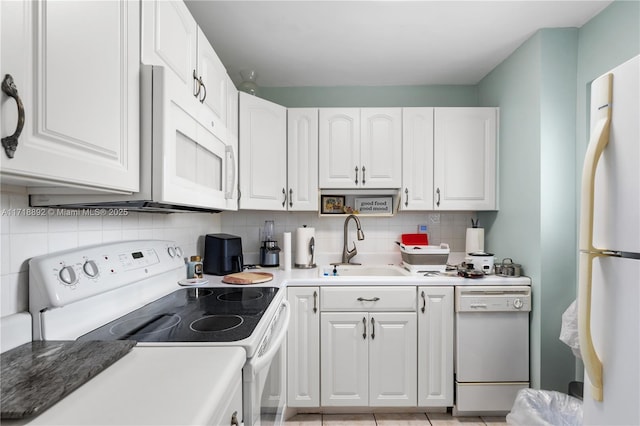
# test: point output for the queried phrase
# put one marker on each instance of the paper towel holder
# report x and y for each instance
(312, 249)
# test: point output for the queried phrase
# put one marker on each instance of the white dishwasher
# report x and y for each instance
(492, 347)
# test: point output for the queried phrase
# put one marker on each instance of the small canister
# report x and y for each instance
(194, 267)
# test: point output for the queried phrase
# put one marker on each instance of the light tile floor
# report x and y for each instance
(386, 419)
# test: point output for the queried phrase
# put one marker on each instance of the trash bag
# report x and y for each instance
(545, 408)
(569, 330)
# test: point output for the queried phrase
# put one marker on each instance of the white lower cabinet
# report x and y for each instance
(303, 348)
(435, 346)
(368, 357)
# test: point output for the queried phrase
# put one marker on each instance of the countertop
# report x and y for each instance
(312, 277)
(37, 375)
(150, 386)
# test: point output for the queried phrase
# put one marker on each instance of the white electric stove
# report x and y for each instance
(129, 290)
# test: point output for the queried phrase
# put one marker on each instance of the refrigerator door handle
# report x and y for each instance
(601, 91)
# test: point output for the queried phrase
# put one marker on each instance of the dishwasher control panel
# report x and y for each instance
(493, 299)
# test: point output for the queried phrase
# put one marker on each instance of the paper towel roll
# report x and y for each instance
(475, 240)
(286, 250)
(303, 257)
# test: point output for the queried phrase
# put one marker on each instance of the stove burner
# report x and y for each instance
(195, 293)
(144, 325)
(241, 295)
(216, 323)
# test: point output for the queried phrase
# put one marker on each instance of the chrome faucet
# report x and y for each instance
(346, 253)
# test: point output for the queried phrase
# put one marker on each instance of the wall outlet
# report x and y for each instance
(422, 229)
(434, 218)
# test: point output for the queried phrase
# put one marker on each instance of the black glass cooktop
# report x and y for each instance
(192, 315)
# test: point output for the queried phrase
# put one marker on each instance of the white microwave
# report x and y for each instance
(184, 165)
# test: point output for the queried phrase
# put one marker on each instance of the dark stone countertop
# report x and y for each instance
(38, 374)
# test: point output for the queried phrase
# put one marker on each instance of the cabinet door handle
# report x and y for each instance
(315, 302)
(424, 302)
(356, 175)
(373, 328)
(234, 419)
(406, 200)
(10, 143)
(196, 85)
(363, 299)
(363, 177)
(204, 94)
(231, 162)
(364, 325)
(438, 194)
(284, 201)
(290, 197)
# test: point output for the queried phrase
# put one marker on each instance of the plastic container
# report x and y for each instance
(425, 254)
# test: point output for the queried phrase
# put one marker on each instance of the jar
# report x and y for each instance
(194, 267)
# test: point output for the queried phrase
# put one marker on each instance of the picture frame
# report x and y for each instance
(332, 204)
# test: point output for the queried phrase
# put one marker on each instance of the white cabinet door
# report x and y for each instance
(344, 359)
(303, 348)
(76, 66)
(381, 147)
(360, 148)
(392, 359)
(232, 146)
(435, 346)
(213, 94)
(263, 154)
(302, 159)
(169, 38)
(339, 150)
(465, 158)
(417, 159)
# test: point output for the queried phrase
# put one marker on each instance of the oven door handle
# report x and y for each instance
(263, 360)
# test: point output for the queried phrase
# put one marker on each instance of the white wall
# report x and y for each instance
(25, 236)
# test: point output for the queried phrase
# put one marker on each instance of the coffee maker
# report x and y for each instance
(269, 250)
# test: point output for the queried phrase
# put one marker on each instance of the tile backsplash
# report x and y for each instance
(381, 233)
(25, 235)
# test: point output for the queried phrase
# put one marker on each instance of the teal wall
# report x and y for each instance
(371, 96)
(542, 92)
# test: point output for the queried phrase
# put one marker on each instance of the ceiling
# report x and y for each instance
(376, 43)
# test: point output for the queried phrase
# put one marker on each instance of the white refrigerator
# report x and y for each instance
(609, 273)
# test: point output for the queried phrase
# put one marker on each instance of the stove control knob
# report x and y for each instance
(90, 268)
(517, 303)
(172, 252)
(67, 275)
(178, 251)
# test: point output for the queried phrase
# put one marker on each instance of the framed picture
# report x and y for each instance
(332, 204)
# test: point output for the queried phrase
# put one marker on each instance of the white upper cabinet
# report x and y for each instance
(263, 154)
(213, 87)
(232, 146)
(360, 148)
(76, 68)
(302, 159)
(171, 38)
(417, 159)
(381, 147)
(465, 141)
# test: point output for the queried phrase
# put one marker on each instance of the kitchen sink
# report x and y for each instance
(364, 271)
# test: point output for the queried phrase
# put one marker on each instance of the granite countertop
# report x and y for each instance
(38, 374)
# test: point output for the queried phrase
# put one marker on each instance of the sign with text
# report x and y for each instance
(374, 205)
